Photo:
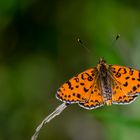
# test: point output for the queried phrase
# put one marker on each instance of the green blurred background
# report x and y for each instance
(39, 52)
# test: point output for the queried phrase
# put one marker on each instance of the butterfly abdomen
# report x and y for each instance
(105, 84)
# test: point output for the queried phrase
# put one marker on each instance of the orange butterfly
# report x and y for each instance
(104, 84)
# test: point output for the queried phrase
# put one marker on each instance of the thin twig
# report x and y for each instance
(55, 113)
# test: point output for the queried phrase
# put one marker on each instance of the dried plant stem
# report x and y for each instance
(56, 112)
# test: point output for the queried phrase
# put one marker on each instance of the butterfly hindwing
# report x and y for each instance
(119, 96)
(95, 100)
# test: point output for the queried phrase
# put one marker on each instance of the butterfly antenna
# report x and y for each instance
(47, 119)
(116, 38)
(82, 45)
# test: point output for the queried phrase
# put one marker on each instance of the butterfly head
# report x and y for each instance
(102, 67)
(101, 61)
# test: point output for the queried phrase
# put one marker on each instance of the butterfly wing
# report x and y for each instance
(126, 85)
(120, 96)
(95, 100)
(79, 89)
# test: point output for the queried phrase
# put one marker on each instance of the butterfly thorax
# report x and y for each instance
(104, 82)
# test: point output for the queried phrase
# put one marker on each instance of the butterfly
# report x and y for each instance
(100, 85)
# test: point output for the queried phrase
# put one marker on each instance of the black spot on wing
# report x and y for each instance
(127, 77)
(138, 85)
(85, 89)
(77, 86)
(138, 79)
(126, 101)
(69, 96)
(78, 95)
(76, 79)
(119, 69)
(73, 94)
(118, 75)
(85, 76)
(114, 71)
(82, 84)
(69, 85)
(59, 90)
(133, 78)
(134, 88)
(122, 70)
(125, 71)
(90, 78)
(120, 98)
(126, 84)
